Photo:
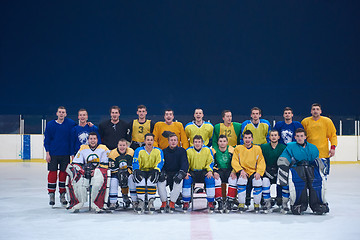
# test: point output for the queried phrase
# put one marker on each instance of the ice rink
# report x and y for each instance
(26, 214)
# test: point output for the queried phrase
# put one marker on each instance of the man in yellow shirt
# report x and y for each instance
(162, 131)
(199, 127)
(320, 130)
(249, 164)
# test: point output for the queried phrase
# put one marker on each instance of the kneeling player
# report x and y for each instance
(248, 161)
(89, 167)
(300, 165)
(147, 164)
(201, 165)
(223, 173)
(172, 174)
(120, 165)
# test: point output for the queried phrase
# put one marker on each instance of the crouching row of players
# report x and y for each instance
(243, 168)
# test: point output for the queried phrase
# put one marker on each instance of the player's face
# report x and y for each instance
(227, 118)
(169, 116)
(149, 141)
(247, 139)
(61, 114)
(274, 137)
(288, 115)
(122, 146)
(173, 142)
(300, 137)
(93, 140)
(198, 114)
(198, 143)
(315, 111)
(222, 142)
(141, 112)
(255, 115)
(115, 114)
(83, 116)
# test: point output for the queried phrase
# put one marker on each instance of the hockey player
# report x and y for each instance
(89, 167)
(80, 133)
(248, 162)
(199, 127)
(57, 143)
(201, 164)
(147, 164)
(112, 130)
(223, 172)
(139, 127)
(162, 131)
(301, 169)
(172, 174)
(287, 127)
(259, 127)
(120, 165)
(320, 130)
(232, 130)
(271, 152)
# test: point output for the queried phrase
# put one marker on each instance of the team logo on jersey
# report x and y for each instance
(287, 135)
(93, 158)
(83, 138)
(122, 164)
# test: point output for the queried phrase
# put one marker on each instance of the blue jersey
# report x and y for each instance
(79, 136)
(287, 131)
(57, 137)
(296, 153)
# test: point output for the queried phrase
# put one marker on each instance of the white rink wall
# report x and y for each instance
(12, 148)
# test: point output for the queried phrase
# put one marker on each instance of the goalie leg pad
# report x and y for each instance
(241, 186)
(298, 189)
(98, 190)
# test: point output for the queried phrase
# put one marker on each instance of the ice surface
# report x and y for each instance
(25, 214)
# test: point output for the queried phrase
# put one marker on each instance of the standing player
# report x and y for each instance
(199, 127)
(162, 131)
(223, 173)
(111, 131)
(120, 165)
(301, 169)
(88, 167)
(259, 127)
(80, 133)
(287, 127)
(271, 152)
(147, 164)
(201, 164)
(248, 162)
(320, 130)
(57, 145)
(139, 127)
(172, 174)
(232, 130)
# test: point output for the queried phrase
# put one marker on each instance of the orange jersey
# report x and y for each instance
(163, 130)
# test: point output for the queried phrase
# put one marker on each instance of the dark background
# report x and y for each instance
(179, 54)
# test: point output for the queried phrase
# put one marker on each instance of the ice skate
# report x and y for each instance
(52, 199)
(185, 206)
(140, 208)
(257, 208)
(163, 207)
(151, 206)
(126, 201)
(63, 199)
(172, 207)
(220, 204)
(211, 207)
(241, 207)
(267, 207)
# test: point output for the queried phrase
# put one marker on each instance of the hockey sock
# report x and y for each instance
(52, 177)
(62, 179)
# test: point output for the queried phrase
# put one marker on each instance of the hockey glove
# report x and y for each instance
(179, 176)
(88, 168)
(323, 164)
(154, 176)
(123, 176)
(138, 175)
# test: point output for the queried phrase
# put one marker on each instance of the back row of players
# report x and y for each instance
(246, 156)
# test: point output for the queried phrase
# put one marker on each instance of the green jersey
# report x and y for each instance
(223, 159)
(271, 155)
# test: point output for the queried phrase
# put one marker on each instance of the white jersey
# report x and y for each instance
(86, 154)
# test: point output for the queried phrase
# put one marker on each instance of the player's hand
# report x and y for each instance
(187, 175)
(48, 158)
(90, 124)
(243, 174)
(216, 175)
(257, 176)
(233, 175)
(332, 152)
(209, 174)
